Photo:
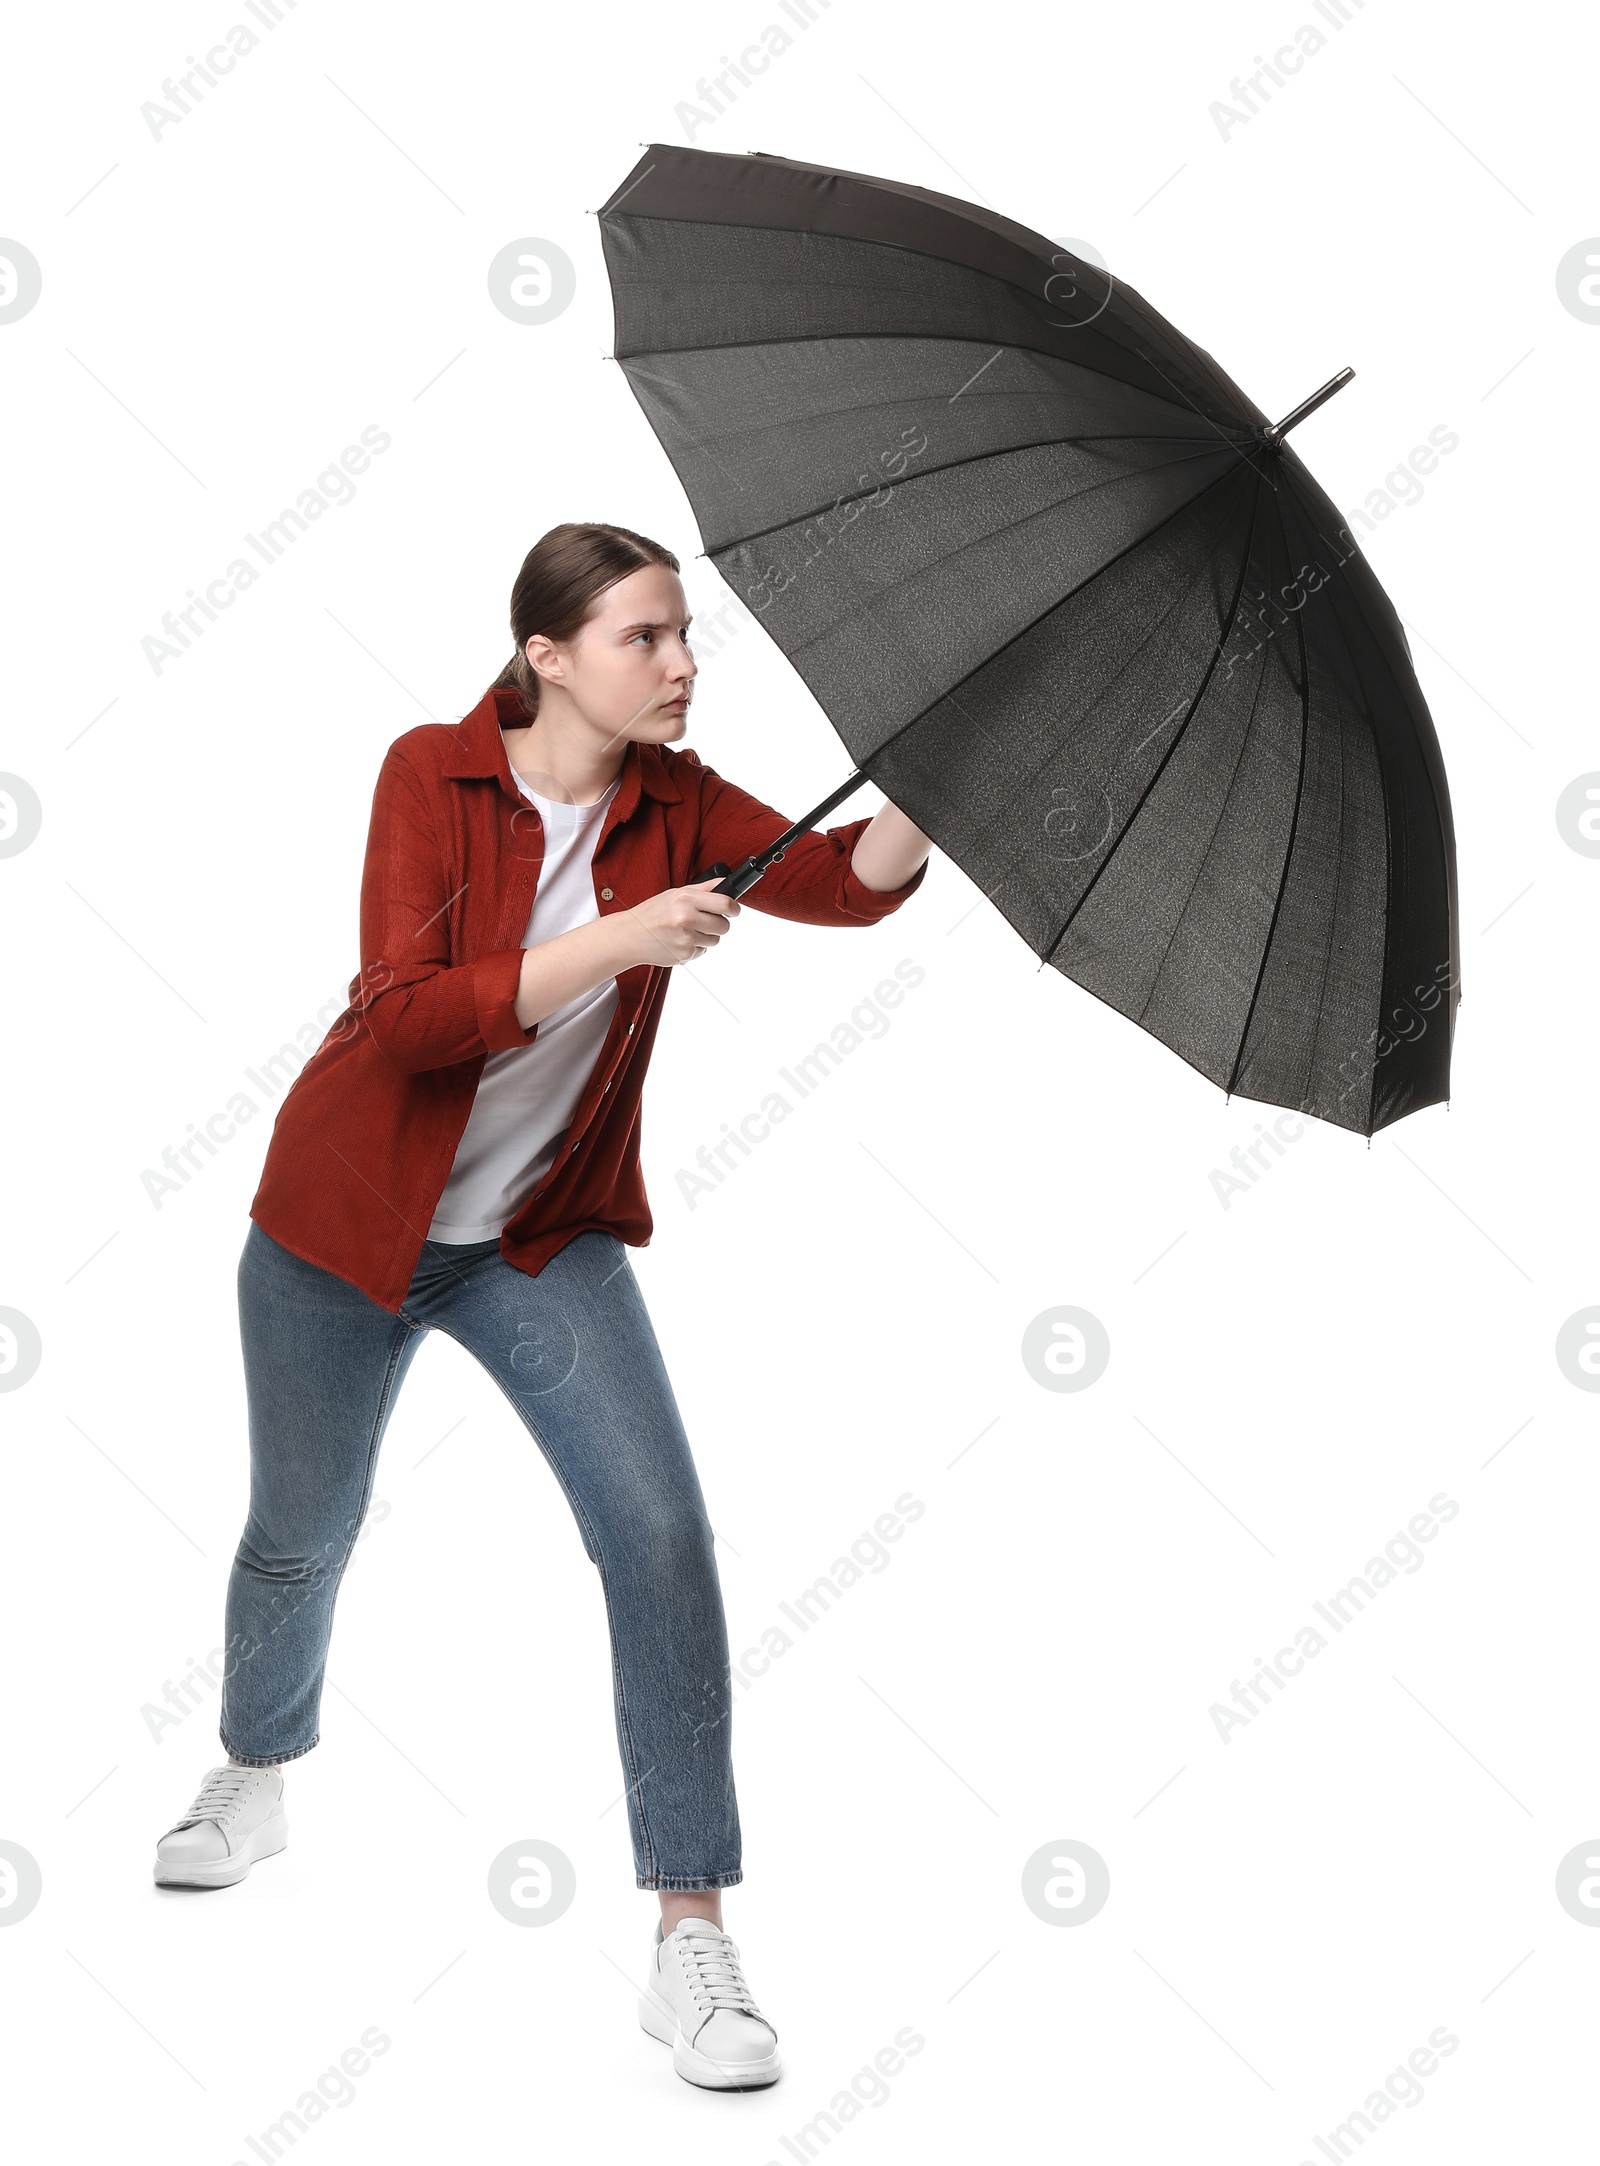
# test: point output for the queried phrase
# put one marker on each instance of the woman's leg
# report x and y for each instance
(322, 1364)
(574, 1352)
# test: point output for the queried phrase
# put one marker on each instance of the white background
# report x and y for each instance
(1292, 1378)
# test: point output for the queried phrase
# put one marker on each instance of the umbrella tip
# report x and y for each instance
(1274, 435)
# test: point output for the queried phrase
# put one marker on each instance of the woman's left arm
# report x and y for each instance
(890, 850)
(854, 874)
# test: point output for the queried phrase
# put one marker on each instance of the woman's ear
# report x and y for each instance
(543, 657)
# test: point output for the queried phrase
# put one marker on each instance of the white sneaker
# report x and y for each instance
(237, 1818)
(696, 2001)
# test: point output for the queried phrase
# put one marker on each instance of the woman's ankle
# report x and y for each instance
(680, 1903)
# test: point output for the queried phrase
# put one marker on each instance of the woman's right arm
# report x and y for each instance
(425, 1012)
(668, 928)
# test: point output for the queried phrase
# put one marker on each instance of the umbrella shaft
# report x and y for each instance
(736, 878)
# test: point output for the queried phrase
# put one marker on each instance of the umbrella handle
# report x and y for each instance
(735, 879)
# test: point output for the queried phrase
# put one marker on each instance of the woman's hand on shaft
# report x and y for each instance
(680, 923)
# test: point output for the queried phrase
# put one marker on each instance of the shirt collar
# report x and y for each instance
(481, 751)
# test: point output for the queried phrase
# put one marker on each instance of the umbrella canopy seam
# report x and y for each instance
(1034, 622)
(1288, 855)
(954, 338)
(1178, 737)
(951, 466)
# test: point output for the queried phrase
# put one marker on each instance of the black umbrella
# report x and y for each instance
(1070, 602)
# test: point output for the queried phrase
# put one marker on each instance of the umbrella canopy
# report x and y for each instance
(1070, 601)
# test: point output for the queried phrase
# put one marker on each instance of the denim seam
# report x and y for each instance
(250, 1760)
(622, 1711)
(680, 1884)
(380, 1416)
(592, 1542)
(386, 1392)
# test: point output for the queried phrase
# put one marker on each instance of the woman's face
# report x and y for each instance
(629, 672)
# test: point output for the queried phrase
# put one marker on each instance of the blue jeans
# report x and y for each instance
(574, 1352)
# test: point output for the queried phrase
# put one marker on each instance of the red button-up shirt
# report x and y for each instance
(364, 1141)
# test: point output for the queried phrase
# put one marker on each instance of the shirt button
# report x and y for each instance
(605, 894)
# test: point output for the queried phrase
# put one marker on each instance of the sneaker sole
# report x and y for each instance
(656, 2017)
(265, 1842)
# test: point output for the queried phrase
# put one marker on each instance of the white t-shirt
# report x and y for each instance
(526, 1097)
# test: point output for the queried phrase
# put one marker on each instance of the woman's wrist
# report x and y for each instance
(888, 851)
(556, 971)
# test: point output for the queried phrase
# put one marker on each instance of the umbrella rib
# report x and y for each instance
(951, 692)
(1180, 599)
(834, 415)
(631, 365)
(950, 466)
(1288, 858)
(901, 248)
(1327, 954)
(1369, 722)
(1141, 316)
(948, 338)
(1211, 843)
(1099, 571)
(1178, 736)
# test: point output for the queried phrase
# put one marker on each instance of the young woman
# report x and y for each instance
(461, 1154)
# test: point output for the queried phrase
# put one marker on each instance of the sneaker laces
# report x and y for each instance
(221, 1795)
(711, 1968)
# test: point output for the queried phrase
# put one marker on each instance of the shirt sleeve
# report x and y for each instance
(423, 1012)
(814, 882)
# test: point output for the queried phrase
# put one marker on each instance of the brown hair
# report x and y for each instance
(562, 577)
